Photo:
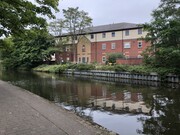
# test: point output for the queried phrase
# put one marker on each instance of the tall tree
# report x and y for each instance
(75, 23)
(164, 35)
(27, 50)
(16, 15)
(56, 28)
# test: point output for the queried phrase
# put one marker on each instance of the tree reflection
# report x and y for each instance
(165, 114)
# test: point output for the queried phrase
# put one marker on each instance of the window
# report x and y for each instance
(127, 45)
(87, 59)
(104, 35)
(103, 46)
(113, 45)
(79, 59)
(92, 36)
(83, 60)
(67, 59)
(139, 31)
(113, 34)
(83, 48)
(104, 59)
(127, 33)
(140, 44)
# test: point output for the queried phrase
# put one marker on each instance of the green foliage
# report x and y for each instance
(75, 23)
(139, 69)
(105, 67)
(63, 67)
(164, 33)
(81, 66)
(121, 68)
(27, 50)
(51, 68)
(113, 56)
(56, 27)
(85, 67)
(16, 15)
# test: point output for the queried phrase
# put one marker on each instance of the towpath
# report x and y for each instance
(24, 113)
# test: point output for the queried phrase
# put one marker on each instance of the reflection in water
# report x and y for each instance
(116, 104)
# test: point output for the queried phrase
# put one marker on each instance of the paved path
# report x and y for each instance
(23, 113)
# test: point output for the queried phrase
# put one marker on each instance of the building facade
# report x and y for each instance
(99, 41)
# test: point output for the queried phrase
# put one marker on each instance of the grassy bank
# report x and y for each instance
(118, 68)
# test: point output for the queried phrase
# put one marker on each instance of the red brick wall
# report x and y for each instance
(129, 61)
(134, 51)
(63, 56)
(97, 53)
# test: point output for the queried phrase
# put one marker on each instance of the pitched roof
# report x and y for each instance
(109, 27)
(112, 27)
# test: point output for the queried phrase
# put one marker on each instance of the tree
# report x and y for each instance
(56, 27)
(27, 50)
(164, 114)
(75, 23)
(112, 57)
(17, 15)
(164, 35)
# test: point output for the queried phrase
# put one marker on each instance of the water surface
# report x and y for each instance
(127, 107)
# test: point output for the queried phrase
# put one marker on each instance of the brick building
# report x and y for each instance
(99, 41)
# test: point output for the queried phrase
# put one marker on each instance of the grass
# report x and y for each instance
(141, 69)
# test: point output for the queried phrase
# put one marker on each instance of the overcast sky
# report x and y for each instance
(113, 11)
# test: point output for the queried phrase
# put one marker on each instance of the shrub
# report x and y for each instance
(85, 67)
(121, 68)
(113, 56)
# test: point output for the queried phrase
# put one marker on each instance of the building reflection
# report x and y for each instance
(99, 96)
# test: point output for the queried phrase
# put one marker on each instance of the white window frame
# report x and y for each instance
(140, 31)
(127, 45)
(103, 46)
(104, 35)
(127, 32)
(113, 34)
(139, 44)
(113, 46)
(103, 59)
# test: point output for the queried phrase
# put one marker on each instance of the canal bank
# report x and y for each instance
(154, 77)
(25, 113)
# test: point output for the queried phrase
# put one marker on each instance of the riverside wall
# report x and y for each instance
(126, 75)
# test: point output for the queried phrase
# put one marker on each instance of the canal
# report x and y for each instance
(127, 107)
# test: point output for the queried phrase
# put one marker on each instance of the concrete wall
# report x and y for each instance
(126, 75)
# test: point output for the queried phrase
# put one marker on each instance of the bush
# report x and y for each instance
(121, 68)
(113, 56)
(51, 68)
(105, 67)
(85, 67)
